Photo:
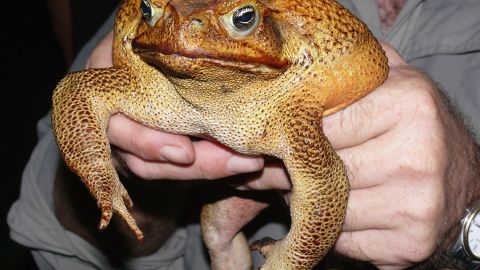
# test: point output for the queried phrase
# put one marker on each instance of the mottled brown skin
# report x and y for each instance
(262, 94)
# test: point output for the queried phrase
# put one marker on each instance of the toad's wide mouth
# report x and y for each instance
(192, 63)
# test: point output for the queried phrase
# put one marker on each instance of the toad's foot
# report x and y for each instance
(264, 246)
(116, 199)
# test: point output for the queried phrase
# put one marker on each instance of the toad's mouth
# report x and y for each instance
(198, 60)
(187, 64)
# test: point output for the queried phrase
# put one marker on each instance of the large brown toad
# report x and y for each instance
(256, 75)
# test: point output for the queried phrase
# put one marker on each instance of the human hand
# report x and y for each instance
(151, 154)
(394, 143)
(409, 161)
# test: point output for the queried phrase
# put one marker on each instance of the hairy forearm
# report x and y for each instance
(463, 173)
(462, 187)
(463, 181)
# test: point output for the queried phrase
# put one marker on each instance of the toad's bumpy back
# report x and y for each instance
(262, 93)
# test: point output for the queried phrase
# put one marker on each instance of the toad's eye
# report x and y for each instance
(150, 12)
(244, 18)
(241, 21)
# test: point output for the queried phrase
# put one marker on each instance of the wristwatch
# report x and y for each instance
(464, 254)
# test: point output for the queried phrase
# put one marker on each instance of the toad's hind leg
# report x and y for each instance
(319, 195)
(221, 225)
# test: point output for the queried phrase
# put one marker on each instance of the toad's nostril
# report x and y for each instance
(197, 22)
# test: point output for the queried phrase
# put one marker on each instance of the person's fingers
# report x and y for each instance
(273, 176)
(377, 112)
(370, 245)
(365, 119)
(149, 144)
(372, 115)
(365, 203)
(375, 246)
(101, 56)
(212, 161)
(387, 206)
(366, 162)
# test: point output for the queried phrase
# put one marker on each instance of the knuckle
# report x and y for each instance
(427, 107)
(419, 250)
(425, 208)
(423, 165)
(207, 170)
(422, 154)
(424, 105)
(143, 145)
(139, 142)
(419, 241)
(423, 218)
(426, 202)
(419, 94)
(423, 242)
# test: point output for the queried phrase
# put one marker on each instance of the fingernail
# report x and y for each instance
(174, 154)
(238, 164)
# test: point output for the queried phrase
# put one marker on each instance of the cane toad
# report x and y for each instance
(255, 75)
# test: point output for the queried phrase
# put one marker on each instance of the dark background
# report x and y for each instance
(37, 43)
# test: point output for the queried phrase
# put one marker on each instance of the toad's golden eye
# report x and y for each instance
(241, 21)
(150, 12)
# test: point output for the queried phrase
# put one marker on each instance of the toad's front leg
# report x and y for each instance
(319, 194)
(82, 105)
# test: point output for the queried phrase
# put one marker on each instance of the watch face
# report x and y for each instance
(473, 235)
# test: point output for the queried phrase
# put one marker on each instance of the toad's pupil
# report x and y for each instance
(146, 9)
(244, 18)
